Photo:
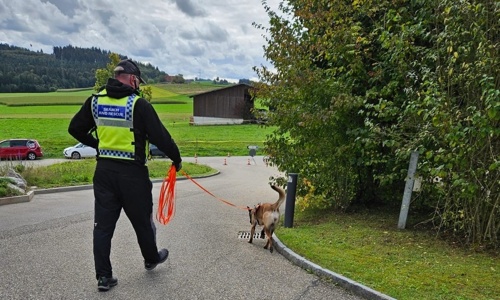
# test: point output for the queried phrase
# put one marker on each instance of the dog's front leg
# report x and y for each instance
(252, 232)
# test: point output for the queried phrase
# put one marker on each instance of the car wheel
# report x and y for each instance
(31, 156)
(75, 155)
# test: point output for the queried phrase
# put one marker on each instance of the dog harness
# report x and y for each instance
(256, 209)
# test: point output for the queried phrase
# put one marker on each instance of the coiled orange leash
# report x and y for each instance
(166, 203)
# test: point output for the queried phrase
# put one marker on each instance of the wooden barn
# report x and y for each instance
(228, 105)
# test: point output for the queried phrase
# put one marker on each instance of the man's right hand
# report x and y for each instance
(177, 165)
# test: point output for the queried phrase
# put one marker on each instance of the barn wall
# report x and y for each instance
(226, 103)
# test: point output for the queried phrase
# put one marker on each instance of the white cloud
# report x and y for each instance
(206, 38)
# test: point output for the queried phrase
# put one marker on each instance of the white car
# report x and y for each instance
(79, 151)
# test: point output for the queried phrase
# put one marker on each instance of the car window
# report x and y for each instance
(18, 143)
(5, 144)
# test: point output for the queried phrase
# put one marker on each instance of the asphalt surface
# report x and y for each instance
(46, 247)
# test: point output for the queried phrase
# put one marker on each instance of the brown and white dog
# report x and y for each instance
(267, 215)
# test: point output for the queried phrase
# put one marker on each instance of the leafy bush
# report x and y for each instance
(360, 85)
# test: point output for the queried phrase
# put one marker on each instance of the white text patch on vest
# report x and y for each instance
(109, 111)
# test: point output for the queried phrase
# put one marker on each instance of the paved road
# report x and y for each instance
(46, 247)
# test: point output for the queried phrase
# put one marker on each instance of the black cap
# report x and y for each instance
(127, 66)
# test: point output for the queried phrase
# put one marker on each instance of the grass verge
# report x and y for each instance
(81, 172)
(405, 264)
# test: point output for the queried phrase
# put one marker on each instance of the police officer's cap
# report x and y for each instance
(127, 66)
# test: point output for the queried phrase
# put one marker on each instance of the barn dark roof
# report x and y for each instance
(224, 88)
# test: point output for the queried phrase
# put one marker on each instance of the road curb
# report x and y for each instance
(17, 199)
(346, 283)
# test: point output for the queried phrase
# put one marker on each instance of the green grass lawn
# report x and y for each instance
(52, 134)
(405, 264)
(80, 172)
(52, 98)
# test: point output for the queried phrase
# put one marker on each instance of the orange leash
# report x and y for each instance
(166, 203)
(208, 192)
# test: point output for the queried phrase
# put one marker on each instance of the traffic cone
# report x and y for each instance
(195, 159)
(248, 163)
(225, 162)
(228, 154)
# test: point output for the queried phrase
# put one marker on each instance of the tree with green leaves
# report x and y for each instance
(356, 86)
(102, 75)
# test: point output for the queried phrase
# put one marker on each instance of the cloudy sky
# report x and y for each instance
(196, 38)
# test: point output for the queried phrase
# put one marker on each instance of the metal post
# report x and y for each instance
(291, 188)
(410, 179)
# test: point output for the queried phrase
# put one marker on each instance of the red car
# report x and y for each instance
(20, 149)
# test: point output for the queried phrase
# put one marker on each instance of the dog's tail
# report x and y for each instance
(281, 198)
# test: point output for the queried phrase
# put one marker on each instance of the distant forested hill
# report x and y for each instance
(23, 70)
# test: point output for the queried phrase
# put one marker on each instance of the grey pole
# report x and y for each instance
(291, 188)
(410, 180)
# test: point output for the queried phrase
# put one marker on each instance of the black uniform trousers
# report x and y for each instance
(128, 188)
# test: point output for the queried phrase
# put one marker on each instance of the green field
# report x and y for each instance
(46, 116)
(53, 98)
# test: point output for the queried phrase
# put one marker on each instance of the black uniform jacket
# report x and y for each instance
(147, 125)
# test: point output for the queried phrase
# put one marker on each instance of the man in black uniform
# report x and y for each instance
(124, 124)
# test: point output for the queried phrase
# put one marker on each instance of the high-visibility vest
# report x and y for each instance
(114, 119)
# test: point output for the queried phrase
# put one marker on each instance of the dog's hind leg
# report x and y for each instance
(269, 243)
(262, 234)
(270, 238)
